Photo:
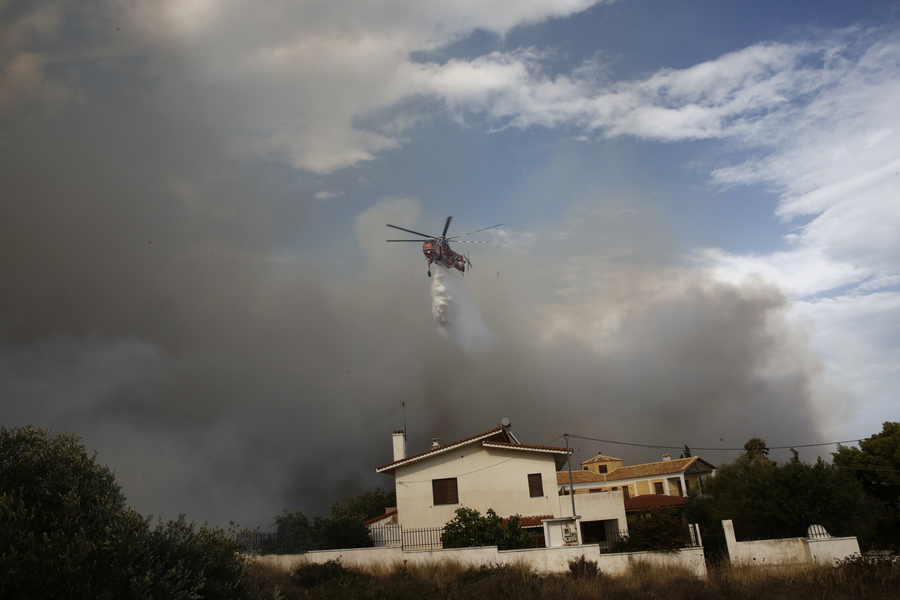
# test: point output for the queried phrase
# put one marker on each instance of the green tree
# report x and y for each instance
(68, 533)
(344, 527)
(180, 561)
(469, 529)
(876, 465)
(293, 534)
(768, 500)
(66, 529)
(756, 449)
(656, 529)
(369, 505)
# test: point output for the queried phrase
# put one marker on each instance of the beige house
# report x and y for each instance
(493, 470)
(668, 477)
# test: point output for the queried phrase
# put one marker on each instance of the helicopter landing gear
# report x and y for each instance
(429, 273)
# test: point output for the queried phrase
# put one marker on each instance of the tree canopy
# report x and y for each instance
(876, 465)
(68, 533)
(770, 500)
(344, 527)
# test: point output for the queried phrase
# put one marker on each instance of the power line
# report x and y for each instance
(679, 447)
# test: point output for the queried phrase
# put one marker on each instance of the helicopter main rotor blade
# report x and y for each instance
(446, 227)
(410, 231)
(416, 241)
(471, 232)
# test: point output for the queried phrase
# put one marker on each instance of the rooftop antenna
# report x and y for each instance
(403, 404)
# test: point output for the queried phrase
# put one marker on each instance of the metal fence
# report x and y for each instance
(256, 542)
(428, 538)
(608, 545)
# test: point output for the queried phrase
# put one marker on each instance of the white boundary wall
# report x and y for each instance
(542, 560)
(790, 551)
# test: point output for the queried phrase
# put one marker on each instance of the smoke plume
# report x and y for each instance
(457, 314)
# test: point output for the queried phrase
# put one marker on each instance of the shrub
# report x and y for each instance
(67, 532)
(309, 575)
(657, 529)
(583, 568)
(469, 529)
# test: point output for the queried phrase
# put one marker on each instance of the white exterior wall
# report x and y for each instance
(486, 478)
(790, 551)
(596, 507)
(542, 560)
(831, 550)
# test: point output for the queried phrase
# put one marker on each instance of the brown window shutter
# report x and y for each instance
(445, 491)
(535, 485)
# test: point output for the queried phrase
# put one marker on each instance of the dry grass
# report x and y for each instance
(450, 580)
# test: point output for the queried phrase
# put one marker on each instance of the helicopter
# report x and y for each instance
(437, 247)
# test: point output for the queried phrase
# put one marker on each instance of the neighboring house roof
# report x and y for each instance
(383, 517)
(599, 458)
(694, 464)
(653, 501)
(533, 521)
(500, 438)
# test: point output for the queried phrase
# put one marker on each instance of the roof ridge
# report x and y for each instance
(467, 440)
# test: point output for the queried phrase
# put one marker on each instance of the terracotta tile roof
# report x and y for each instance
(664, 467)
(389, 513)
(533, 521)
(654, 501)
(661, 468)
(599, 458)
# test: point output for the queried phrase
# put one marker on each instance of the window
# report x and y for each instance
(602, 469)
(445, 491)
(626, 492)
(658, 489)
(535, 485)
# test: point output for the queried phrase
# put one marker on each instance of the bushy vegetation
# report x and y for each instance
(770, 500)
(656, 529)
(67, 532)
(876, 465)
(343, 528)
(875, 579)
(469, 528)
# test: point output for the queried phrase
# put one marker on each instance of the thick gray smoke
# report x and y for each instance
(232, 351)
(457, 314)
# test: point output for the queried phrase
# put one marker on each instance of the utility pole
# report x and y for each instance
(571, 483)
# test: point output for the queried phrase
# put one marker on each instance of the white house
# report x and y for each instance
(493, 470)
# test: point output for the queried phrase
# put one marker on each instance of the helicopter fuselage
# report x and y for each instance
(439, 252)
(437, 248)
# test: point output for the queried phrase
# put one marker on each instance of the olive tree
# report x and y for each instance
(67, 532)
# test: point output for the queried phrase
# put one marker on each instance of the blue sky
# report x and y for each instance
(699, 204)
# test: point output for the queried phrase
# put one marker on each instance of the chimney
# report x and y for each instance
(399, 439)
(435, 443)
(667, 457)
